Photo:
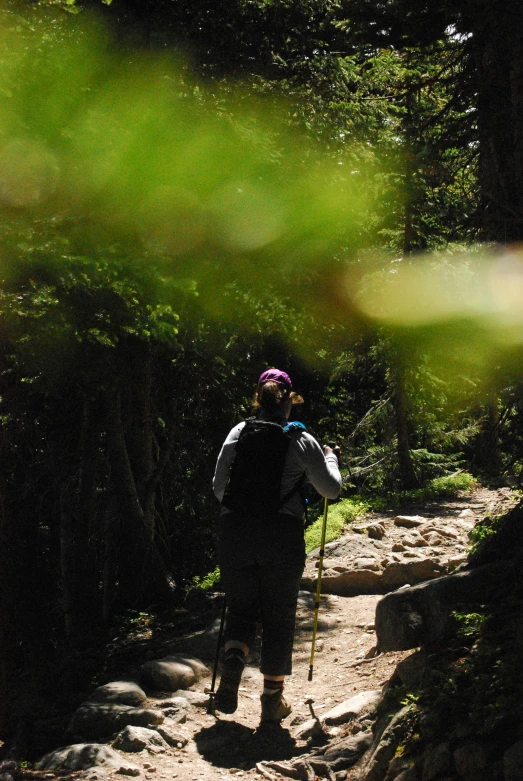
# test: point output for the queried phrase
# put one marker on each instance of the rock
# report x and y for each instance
(352, 583)
(309, 729)
(398, 547)
(419, 615)
(456, 561)
(399, 573)
(86, 755)
(121, 692)
(376, 531)
(396, 768)
(327, 563)
(172, 734)
(414, 540)
(96, 720)
(133, 739)
(347, 752)
(467, 514)
(285, 769)
(385, 747)
(175, 703)
(173, 672)
(409, 521)
(437, 763)
(513, 762)
(352, 708)
(446, 532)
(93, 773)
(371, 564)
(470, 760)
(412, 669)
(197, 699)
(434, 539)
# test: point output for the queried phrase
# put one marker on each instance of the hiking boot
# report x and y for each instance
(226, 698)
(274, 708)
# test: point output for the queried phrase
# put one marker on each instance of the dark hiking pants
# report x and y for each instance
(261, 563)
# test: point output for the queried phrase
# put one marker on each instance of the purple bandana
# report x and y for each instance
(275, 375)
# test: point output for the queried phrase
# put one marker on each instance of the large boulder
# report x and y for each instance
(348, 584)
(415, 571)
(352, 708)
(385, 744)
(122, 692)
(173, 672)
(82, 756)
(421, 614)
(409, 521)
(94, 720)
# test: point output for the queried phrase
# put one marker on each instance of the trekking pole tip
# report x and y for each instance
(310, 672)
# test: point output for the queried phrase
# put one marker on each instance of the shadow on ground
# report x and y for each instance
(229, 744)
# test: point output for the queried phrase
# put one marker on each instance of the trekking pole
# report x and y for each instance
(210, 706)
(318, 586)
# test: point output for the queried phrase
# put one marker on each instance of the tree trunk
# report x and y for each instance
(498, 43)
(8, 632)
(410, 167)
(488, 450)
(81, 603)
(399, 401)
(143, 574)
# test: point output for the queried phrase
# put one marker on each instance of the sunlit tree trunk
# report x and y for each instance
(400, 405)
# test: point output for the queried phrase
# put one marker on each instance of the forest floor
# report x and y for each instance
(345, 665)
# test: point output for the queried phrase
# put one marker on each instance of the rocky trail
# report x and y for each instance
(157, 726)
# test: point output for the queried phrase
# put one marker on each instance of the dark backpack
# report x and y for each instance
(257, 469)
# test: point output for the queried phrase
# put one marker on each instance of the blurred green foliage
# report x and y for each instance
(175, 219)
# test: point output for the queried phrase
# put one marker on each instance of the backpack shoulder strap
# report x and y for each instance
(295, 426)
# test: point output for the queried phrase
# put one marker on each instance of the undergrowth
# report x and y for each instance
(445, 487)
(339, 515)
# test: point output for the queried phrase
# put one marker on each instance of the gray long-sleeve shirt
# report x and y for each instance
(304, 456)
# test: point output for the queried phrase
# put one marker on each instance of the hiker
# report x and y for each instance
(259, 479)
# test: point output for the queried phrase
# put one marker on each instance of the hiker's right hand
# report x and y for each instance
(336, 450)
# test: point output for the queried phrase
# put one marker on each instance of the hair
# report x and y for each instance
(270, 395)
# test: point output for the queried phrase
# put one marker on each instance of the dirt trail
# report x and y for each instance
(344, 666)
